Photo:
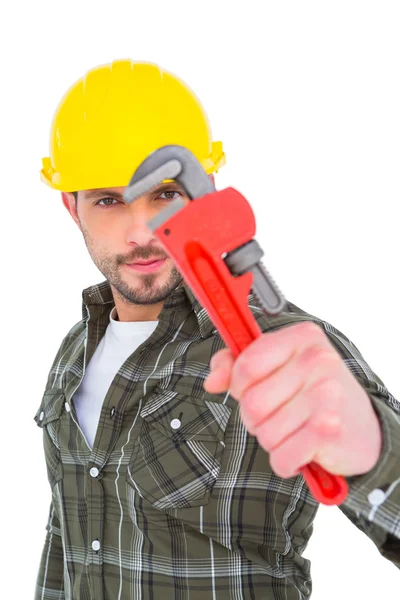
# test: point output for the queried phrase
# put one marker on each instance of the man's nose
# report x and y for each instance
(137, 229)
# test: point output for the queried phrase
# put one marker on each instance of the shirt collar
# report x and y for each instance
(100, 295)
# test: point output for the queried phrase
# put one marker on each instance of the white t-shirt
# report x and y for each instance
(119, 341)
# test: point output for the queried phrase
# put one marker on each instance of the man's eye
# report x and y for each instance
(108, 202)
(104, 200)
(169, 192)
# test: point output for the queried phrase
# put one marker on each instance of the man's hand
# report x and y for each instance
(300, 401)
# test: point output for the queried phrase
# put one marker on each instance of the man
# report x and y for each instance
(168, 479)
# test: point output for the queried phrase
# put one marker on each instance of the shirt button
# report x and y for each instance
(41, 416)
(376, 497)
(175, 423)
(67, 407)
(94, 472)
(96, 545)
(112, 411)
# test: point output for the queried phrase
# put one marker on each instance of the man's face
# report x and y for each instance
(115, 234)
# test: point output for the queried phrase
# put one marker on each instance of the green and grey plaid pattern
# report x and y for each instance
(176, 501)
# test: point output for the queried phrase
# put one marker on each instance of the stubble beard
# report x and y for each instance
(147, 292)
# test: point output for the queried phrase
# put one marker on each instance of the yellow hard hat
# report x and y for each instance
(111, 119)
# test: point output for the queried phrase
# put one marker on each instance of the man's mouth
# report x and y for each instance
(147, 266)
(146, 262)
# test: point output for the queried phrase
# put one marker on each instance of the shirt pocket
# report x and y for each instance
(48, 418)
(176, 458)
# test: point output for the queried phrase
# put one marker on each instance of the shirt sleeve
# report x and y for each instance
(373, 502)
(50, 578)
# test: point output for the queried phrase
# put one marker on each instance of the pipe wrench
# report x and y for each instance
(211, 242)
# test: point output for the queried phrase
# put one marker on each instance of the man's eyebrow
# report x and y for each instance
(102, 192)
(96, 193)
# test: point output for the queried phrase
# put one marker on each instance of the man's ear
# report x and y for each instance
(68, 200)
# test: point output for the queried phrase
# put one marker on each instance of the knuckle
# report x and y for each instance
(311, 355)
(327, 388)
(326, 397)
(244, 367)
(317, 355)
(326, 424)
(311, 329)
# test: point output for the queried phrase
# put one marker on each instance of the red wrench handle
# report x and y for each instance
(196, 241)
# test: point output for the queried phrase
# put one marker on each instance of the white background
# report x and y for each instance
(305, 97)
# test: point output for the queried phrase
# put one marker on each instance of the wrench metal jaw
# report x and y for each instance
(165, 214)
(177, 162)
(170, 162)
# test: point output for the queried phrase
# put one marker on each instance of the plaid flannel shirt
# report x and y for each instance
(193, 512)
